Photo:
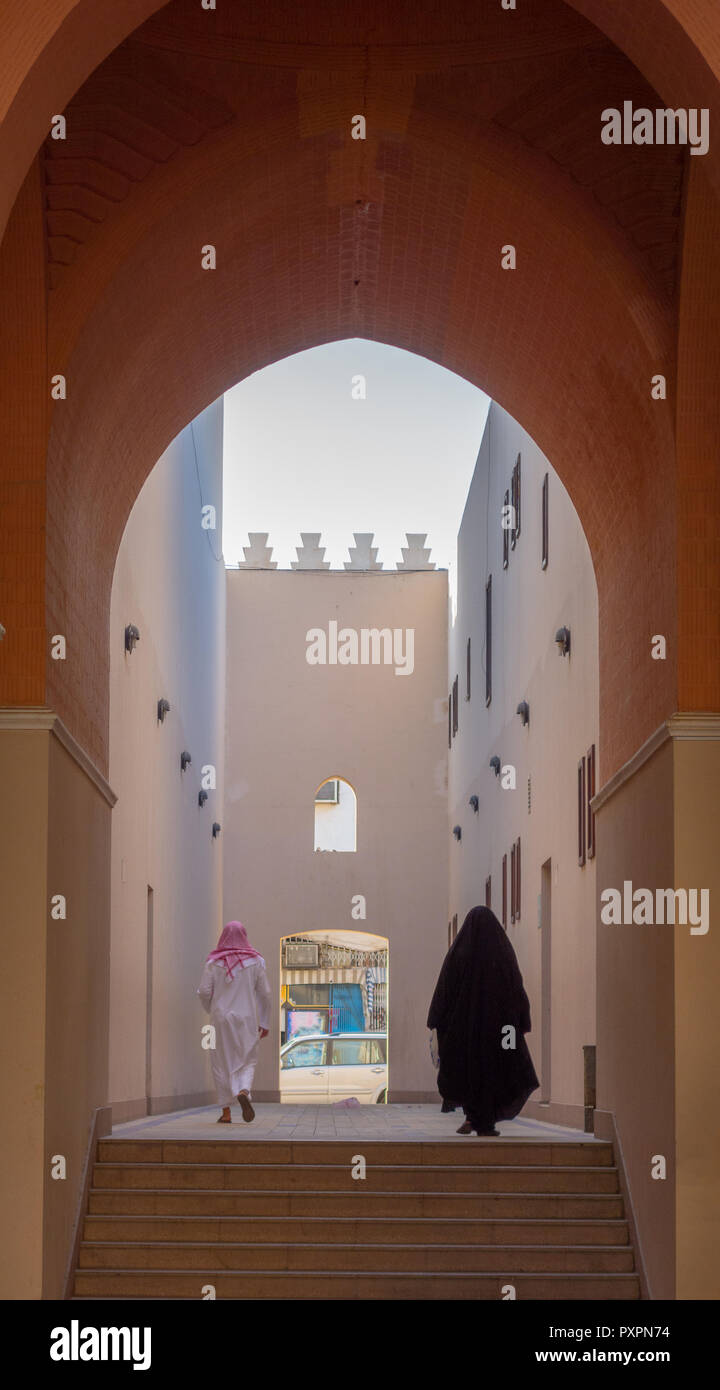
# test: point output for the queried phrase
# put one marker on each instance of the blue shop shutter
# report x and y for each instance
(347, 999)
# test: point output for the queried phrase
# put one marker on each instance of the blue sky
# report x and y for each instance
(301, 455)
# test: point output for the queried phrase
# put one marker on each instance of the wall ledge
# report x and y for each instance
(688, 725)
(41, 719)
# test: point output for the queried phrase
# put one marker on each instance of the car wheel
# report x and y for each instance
(381, 1098)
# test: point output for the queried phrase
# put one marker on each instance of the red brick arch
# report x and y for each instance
(568, 343)
(45, 57)
(181, 335)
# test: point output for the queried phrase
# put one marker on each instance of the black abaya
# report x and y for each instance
(478, 994)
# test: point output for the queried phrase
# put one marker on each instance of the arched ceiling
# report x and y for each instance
(48, 50)
(173, 85)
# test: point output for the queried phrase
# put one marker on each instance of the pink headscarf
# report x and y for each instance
(234, 949)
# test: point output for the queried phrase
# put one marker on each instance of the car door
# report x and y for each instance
(304, 1072)
(349, 1072)
(377, 1069)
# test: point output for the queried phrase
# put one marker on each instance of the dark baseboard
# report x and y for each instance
(125, 1110)
(555, 1113)
(100, 1126)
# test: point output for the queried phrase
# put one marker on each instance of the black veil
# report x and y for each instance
(478, 994)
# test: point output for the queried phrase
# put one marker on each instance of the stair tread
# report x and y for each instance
(417, 1220)
(350, 1192)
(312, 1244)
(449, 1142)
(364, 1273)
(376, 1167)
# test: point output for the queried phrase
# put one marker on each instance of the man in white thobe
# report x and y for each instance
(235, 992)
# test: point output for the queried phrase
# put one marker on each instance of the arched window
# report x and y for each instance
(336, 816)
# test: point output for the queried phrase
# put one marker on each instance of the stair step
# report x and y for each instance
(285, 1220)
(363, 1230)
(193, 1202)
(329, 1286)
(296, 1177)
(118, 1256)
(521, 1152)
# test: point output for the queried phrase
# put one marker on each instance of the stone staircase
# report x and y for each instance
(286, 1220)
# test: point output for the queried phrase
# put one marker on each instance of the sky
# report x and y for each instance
(300, 454)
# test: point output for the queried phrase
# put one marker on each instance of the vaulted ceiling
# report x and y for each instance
(188, 73)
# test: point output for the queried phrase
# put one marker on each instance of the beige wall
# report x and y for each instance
(170, 582)
(529, 604)
(54, 840)
(290, 725)
(23, 874)
(696, 762)
(77, 992)
(635, 1044)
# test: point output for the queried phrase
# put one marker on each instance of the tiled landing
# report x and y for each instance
(368, 1122)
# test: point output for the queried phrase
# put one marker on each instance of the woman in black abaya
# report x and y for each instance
(478, 994)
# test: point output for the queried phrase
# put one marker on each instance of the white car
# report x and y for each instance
(320, 1068)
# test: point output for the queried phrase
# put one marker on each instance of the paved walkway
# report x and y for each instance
(380, 1122)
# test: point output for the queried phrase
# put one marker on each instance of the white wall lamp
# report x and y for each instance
(216, 829)
(163, 708)
(523, 710)
(475, 803)
(457, 832)
(495, 765)
(185, 760)
(202, 798)
(132, 636)
(562, 637)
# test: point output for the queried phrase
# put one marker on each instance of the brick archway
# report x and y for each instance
(179, 136)
(477, 319)
(672, 42)
(256, 157)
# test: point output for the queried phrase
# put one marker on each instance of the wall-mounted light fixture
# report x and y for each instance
(132, 636)
(2, 632)
(475, 803)
(523, 710)
(562, 637)
(202, 798)
(457, 832)
(185, 759)
(495, 765)
(216, 829)
(163, 709)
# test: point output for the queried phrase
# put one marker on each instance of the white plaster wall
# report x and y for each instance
(170, 581)
(290, 725)
(529, 605)
(336, 823)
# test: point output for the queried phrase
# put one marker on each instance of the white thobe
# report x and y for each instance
(237, 1009)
